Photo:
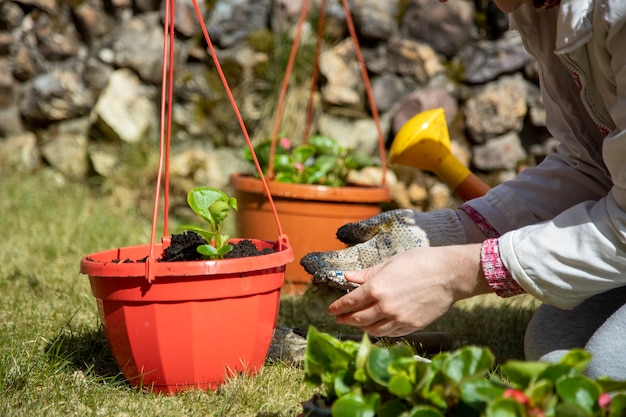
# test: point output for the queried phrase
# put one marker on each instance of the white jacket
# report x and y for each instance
(563, 223)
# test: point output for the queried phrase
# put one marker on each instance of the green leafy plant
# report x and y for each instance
(319, 161)
(362, 379)
(212, 205)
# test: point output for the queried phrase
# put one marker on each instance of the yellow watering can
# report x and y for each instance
(423, 142)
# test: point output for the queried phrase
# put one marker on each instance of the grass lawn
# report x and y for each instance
(54, 360)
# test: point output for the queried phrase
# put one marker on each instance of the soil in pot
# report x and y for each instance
(183, 247)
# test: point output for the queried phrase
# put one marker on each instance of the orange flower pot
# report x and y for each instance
(309, 214)
(196, 323)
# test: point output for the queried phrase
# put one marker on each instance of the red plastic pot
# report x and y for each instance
(196, 323)
(309, 214)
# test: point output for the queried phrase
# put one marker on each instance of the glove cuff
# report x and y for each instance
(444, 228)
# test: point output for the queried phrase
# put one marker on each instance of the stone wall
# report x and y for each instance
(81, 81)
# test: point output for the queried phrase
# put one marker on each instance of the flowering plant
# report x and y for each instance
(362, 379)
(319, 161)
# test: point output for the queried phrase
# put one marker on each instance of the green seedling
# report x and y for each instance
(213, 206)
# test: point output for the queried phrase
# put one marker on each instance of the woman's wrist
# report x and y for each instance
(471, 281)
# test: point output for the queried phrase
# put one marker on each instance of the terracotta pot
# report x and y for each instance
(196, 324)
(309, 214)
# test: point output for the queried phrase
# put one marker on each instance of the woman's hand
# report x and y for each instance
(378, 238)
(410, 290)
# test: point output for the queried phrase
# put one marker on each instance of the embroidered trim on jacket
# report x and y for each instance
(540, 5)
(480, 221)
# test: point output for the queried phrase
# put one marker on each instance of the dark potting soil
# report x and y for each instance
(183, 247)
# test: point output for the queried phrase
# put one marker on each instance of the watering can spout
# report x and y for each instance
(423, 142)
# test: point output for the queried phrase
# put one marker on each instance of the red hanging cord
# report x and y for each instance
(285, 86)
(316, 71)
(364, 74)
(168, 39)
(368, 90)
(167, 77)
(282, 239)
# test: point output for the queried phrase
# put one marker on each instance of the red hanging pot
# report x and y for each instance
(195, 324)
(189, 324)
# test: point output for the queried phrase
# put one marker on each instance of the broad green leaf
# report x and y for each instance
(401, 385)
(283, 163)
(325, 145)
(262, 152)
(360, 373)
(477, 393)
(324, 356)
(317, 172)
(579, 391)
(468, 362)
(342, 382)
(401, 351)
(505, 407)
(577, 359)
(200, 200)
(206, 234)
(556, 371)
(570, 410)
(224, 250)
(610, 385)
(287, 177)
(358, 161)
(414, 370)
(208, 250)
(354, 405)
(540, 391)
(378, 365)
(617, 408)
(302, 153)
(393, 408)
(425, 411)
(219, 210)
(437, 395)
(522, 373)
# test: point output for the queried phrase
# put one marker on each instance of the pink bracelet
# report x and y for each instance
(496, 273)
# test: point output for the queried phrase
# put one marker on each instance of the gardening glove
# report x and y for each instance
(380, 237)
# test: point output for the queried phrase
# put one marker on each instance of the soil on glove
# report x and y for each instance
(183, 247)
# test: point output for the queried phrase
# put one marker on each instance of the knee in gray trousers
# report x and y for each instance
(598, 325)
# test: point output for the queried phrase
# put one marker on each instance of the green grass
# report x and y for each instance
(54, 360)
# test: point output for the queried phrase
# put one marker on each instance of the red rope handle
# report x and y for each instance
(285, 86)
(165, 133)
(281, 237)
(166, 111)
(368, 90)
(316, 71)
(287, 76)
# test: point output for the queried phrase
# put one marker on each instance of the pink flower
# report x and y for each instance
(298, 166)
(285, 142)
(516, 394)
(604, 400)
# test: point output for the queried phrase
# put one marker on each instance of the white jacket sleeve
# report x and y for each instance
(563, 223)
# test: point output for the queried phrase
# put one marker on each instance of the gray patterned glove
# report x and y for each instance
(380, 237)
